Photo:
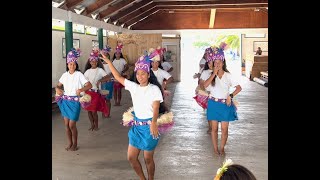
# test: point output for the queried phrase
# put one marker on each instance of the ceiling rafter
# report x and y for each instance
(92, 8)
(130, 10)
(137, 13)
(112, 9)
(71, 4)
(142, 16)
(205, 3)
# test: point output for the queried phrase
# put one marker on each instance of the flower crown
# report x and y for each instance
(94, 55)
(73, 55)
(223, 169)
(119, 47)
(106, 50)
(215, 53)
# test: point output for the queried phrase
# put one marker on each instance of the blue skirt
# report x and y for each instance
(108, 86)
(218, 111)
(140, 136)
(69, 109)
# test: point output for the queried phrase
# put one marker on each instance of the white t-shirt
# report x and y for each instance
(119, 64)
(107, 69)
(72, 82)
(143, 98)
(161, 75)
(166, 66)
(221, 87)
(205, 75)
(93, 75)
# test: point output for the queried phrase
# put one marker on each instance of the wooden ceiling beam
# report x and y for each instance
(142, 16)
(206, 3)
(92, 8)
(215, 7)
(111, 9)
(72, 4)
(131, 9)
(137, 13)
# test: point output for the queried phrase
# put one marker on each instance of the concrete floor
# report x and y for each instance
(185, 152)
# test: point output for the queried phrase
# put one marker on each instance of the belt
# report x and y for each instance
(217, 99)
(70, 98)
(141, 123)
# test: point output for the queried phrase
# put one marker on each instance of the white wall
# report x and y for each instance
(247, 45)
(59, 63)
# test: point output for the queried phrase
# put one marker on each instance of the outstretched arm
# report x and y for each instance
(113, 70)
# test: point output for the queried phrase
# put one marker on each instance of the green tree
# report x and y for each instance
(233, 41)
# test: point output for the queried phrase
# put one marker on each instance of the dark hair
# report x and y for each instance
(160, 66)
(224, 67)
(153, 80)
(206, 66)
(77, 67)
(237, 172)
(88, 65)
(114, 56)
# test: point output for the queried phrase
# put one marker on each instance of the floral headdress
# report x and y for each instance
(94, 55)
(106, 50)
(216, 53)
(143, 63)
(154, 55)
(223, 169)
(160, 50)
(73, 55)
(119, 47)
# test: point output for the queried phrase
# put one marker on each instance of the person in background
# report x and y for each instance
(166, 66)
(201, 68)
(73, 82)
(94, 72)
(108, 85)
(121, 66)
(259, 51)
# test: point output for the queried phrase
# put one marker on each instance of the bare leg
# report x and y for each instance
(214, 136)
(109, 107)
(133, 154)
(224, 136)
(95, 120)
(209, 129)
(91, 120)
(115, 95)
(119, 96)
(74, 130)
(68, 132)
(148, 159)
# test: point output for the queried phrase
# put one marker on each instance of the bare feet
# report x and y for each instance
(222, 153)
(91, 128)
(209, 131)
(74, 148)
(96, 129)
(216, 152)
(68, 147)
